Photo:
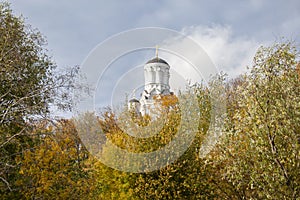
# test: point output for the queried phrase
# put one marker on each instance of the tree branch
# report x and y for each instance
(9, 139)
(7, 184)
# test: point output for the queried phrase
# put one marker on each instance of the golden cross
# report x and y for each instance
(156, 52)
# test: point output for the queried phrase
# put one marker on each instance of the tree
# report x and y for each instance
(108, 183)
(28, 88)
(188, 177)
(260, 155)
(59, 167)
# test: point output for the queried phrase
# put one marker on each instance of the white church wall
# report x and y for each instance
(156, 74)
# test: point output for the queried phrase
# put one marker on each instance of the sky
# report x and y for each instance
(229, 31)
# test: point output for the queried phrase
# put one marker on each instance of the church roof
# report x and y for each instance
(157, 60)
(134, 100)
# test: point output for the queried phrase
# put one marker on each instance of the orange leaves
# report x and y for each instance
(56, 167)
(169, 100)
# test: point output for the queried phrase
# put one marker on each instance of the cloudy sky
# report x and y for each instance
(229, 31)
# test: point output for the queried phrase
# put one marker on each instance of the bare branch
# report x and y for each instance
(9, 139)
(7, 184)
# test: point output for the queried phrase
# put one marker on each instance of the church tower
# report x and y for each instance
(156, 75)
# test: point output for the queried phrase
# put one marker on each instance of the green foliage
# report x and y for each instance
(25, 78)
(111, 183)
(262, 145)
(28, 88)
(25, 70)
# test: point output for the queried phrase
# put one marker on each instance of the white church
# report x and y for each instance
(156, 75)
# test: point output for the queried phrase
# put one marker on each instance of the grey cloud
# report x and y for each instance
(74, 27)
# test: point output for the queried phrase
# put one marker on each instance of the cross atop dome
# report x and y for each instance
(156, 59)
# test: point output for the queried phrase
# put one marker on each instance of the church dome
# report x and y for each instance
(134, 101)
(157, 60)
